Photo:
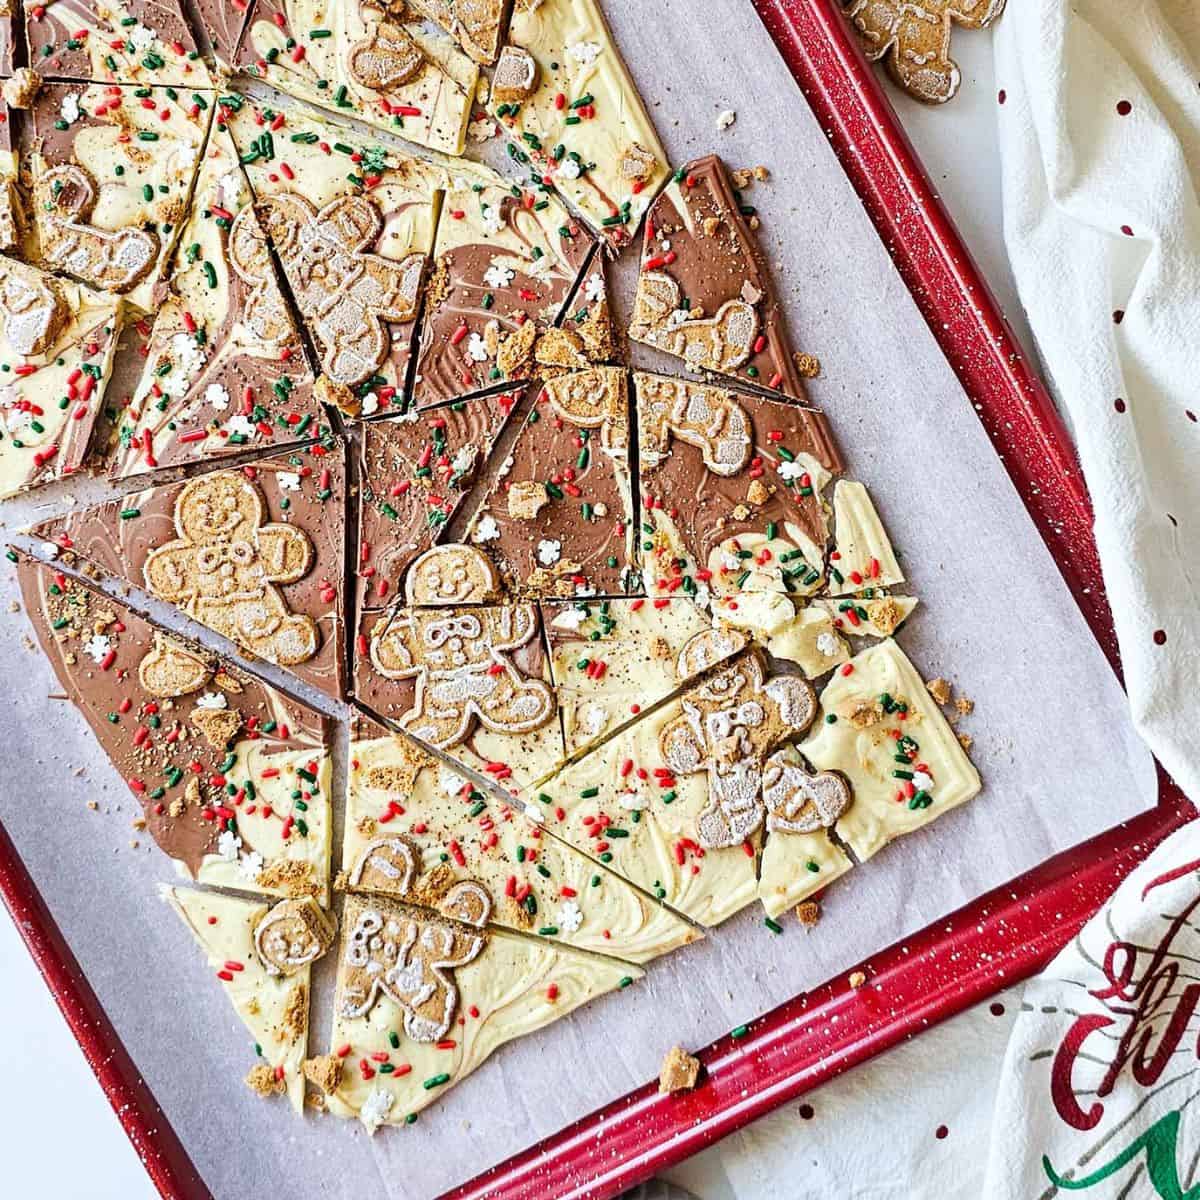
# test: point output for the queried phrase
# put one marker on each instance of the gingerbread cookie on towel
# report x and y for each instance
(913, 39)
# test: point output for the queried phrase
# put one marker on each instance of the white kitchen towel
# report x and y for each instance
(1101, 1082)
(1099, 120)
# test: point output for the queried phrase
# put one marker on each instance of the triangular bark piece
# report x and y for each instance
(414, 829)
(565, 96)
(143, 42)
(273, 1007)
(232, 777)
(415, 473)
(463, 991)
(378, 68)
(256, 553)
(352, 225)
(57, 341)
(558, 518)
(506, 260)
(704, 292)
(90, 142)
(225, 368)
(475, 24)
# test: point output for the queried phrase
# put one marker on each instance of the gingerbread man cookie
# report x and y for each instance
(460, 659)
(409, 955)
(799, 800)
(32, 307)
(264, 310)
(292, 935)
(111, 260)
(225, 564)
(594, 399)
(913, 38)
(707, 418)
(722, 342)
(348, 295)
(729, 723)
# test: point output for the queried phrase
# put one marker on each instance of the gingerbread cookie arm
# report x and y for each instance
(391, 650)
(682, 742)
(287, 552)
(512, 626)
(169, 571)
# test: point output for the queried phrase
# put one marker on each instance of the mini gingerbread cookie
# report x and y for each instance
(570, 106)
(140, 153)
(415, 476)
(414, 828)
(115, 41)
(57, 341)
(558, 520)
(225, 367)
(416, 971)
(704, 293)
(352, 256)
(272, 1005)
(913, 39)
(364, 60)
(255, 553)
(727, 726)
(506, 260)
(232, 777)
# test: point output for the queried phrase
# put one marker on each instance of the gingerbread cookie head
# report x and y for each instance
(388, 864)
(461, 659)
(728, 725)
(913, 38)
(453, 573)
(32, 307)
(594, 399)
(109, 260)
(292, 935)
(516, 76)
(722, 342)
(408, 955)
(799, 800)
(386, 58)
(225, 566)
(347, 295)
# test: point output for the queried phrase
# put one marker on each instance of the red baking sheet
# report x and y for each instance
(986, 946)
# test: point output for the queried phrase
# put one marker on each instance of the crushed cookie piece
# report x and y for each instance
(857, 979)
(808, 913)
(965, 740)
(939, 689)
(679, 1071)
(262, 1081)
(526, 499)
(964, 706)
(324, 1072)
(809, 365)
(758, 492)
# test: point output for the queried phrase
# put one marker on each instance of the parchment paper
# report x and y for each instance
(1054, 743)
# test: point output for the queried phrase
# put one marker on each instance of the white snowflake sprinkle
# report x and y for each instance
(375, 1108)
(229, 845)
(251, 865)
(289, 481)
(69, 109)
(477, 349)
(594, 289)
(567, 169)
(490, 219)
(584, 53)
(97, 647)
(486, 530)
(497, 276)
(239, 425)
(216, 396)
(791, 470)
(827, 644)
(549, 551)
(450, 782)
(214, 701)
(570, 917)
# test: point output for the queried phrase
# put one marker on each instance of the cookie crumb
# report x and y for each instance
(761, 173)
(808, 913)
(324, 1072)
(808, 365)
(939, 689)
(679, 1071)
(857, 979)
(964, 706)
(263, 1081)
(966, 741)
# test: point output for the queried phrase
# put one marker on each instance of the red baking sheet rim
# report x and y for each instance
(990, 944)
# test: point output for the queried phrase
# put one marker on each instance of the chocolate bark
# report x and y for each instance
(414, 476)
(352, 225)
(557, 519)
(185, 730)
(7, 8)
(137, 147)
(362, 61)
(223, 22)
(704, 293)
(114, 41)
(57, 341)
(505, 263)
(256, 553)
(475, 24)
(731, 490)
(225, 369)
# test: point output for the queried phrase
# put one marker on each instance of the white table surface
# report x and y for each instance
(60, 1137)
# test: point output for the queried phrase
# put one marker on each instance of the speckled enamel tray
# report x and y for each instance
(992, 943)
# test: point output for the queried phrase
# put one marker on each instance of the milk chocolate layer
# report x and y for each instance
(158, 744)
(415, 473)
(260, 606)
